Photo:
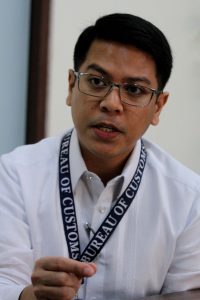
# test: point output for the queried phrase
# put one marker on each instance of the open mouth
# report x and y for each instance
(106, 131)
(106, 128)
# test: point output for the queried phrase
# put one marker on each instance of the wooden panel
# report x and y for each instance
(38, 70)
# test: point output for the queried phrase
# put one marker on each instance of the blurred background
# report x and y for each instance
(37, 39)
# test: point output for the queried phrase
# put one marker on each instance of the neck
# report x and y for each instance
(106, 169)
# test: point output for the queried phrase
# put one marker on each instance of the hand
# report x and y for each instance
(59, 278)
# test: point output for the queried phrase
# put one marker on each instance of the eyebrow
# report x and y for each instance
(97, 68)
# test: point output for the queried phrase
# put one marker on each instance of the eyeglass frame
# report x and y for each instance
(153, 91)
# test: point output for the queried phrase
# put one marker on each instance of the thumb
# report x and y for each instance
(89, 270)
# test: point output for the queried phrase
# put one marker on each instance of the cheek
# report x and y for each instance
(77, 114)
(140, 121)
(148, 113)
(136, 118)
(81, 110)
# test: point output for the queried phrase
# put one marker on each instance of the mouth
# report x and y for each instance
(106, 131)
(107, 128)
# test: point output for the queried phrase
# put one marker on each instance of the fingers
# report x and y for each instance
(49, 278)
(90, 269)
(61, 293)
(80, 269)
(59, 278)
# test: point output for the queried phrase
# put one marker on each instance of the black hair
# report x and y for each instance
(129, 30)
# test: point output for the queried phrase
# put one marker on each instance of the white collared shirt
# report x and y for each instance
(155, 248)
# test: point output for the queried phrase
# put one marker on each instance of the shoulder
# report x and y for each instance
(165, 167)
(33, 154)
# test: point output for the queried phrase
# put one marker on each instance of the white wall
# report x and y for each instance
(179, 130)
(14, 46)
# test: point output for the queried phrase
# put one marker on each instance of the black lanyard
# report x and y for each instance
(109, 224)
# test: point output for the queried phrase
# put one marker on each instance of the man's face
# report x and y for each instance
(107, 128)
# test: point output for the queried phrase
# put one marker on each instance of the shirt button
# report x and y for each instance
(89, 177)
(102, 209)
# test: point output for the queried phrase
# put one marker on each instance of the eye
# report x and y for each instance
(97, 82)
(135, 90)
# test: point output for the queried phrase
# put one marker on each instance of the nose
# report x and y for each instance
(112, 102)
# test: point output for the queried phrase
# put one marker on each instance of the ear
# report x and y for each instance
(71, 83)
(160, 103)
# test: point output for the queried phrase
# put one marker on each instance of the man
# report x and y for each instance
(101, 213)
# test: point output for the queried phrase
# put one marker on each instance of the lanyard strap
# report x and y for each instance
(109, 224)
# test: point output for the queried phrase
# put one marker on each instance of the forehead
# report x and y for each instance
(120, 61)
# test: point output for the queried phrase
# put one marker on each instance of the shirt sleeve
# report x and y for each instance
(184, 272)
(16, 253)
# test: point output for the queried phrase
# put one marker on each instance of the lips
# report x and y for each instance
(106, 131)
(107, 128)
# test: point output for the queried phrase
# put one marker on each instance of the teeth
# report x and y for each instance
(106, 129)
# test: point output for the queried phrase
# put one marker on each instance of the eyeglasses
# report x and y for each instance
(132, 94)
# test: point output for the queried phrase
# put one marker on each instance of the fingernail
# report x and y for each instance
(88, 271)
